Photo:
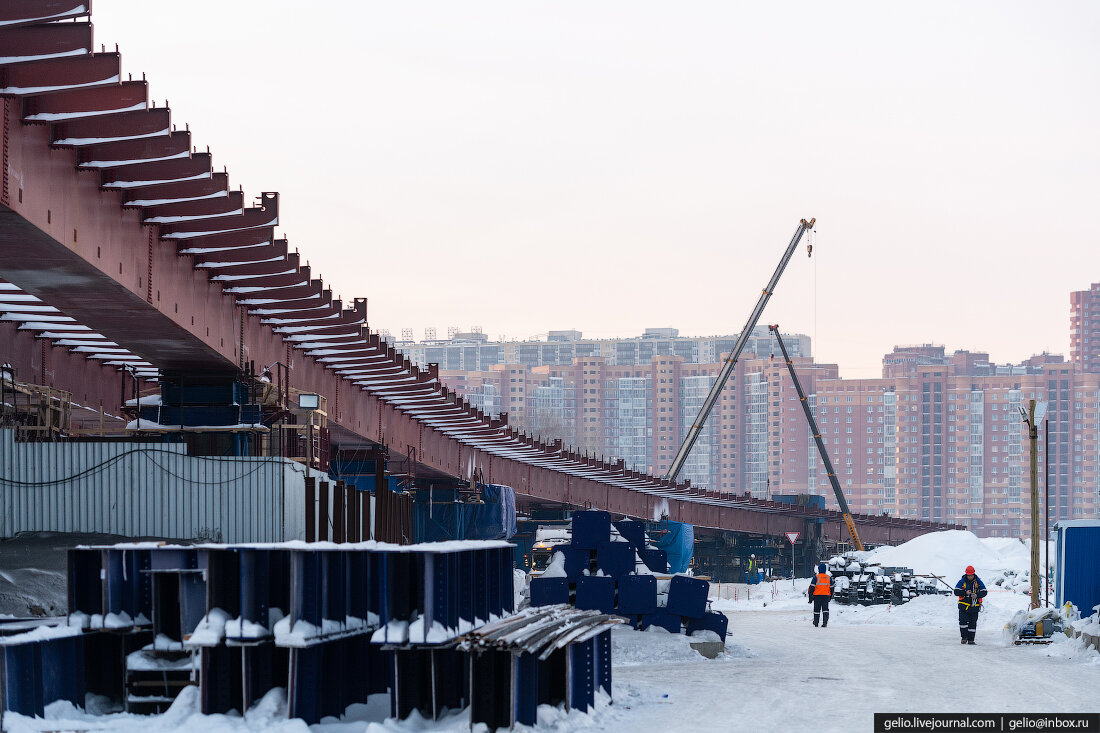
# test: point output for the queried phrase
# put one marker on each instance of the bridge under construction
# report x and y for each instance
(128, 262)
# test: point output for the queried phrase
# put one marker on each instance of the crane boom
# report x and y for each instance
(841, 502)
(731, 360)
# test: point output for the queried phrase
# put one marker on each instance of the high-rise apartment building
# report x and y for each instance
(1084, 328)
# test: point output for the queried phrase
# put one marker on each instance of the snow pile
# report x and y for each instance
(42, 633)
(267, 715)
(1065, 647)
(210, 630)
(520, 588)
(655, 645)
(1088, 624)
(1001, 562)
(556, 567)
(943, 553)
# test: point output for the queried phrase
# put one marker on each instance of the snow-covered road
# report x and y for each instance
(802, 678)
(781, 674)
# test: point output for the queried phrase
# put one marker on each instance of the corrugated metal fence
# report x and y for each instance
(148, 490)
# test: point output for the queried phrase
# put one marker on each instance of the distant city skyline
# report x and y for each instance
(617, 166)
(472, 334)
(936, 436)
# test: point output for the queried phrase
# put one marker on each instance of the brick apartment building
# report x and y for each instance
(1084, 328)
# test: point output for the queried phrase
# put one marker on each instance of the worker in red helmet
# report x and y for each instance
(971, 590)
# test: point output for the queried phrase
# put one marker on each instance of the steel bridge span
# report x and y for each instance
(122, 246)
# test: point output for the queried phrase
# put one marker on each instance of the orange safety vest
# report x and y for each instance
(821, 585)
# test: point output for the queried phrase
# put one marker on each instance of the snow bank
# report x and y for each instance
(948, 553)
(658, 646)
(267, 715)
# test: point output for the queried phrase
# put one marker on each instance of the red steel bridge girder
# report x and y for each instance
(66, 237)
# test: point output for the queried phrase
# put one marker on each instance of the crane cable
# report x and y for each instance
(813, 241)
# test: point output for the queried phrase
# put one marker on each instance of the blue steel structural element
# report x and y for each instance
(255, 598)
(710, 621)
(616, 559)
(549, 591)
(582, 676)
(633, 532)
(577, 560)
(596, 593)
(668, 621)
(36, 673)
(325, 678)
(590, 528)
(637, 595)
(687, 596)
(429, 680)
(602, 644)
(127, 588)
(85, 583)
(655, 560)
(525, 689)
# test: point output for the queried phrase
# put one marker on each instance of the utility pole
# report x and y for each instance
(1033, 436)
(1046, 513)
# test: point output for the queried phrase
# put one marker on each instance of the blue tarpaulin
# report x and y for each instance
(439, 517)
(679, 544)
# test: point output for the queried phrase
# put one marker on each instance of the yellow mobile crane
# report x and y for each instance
(841, 502)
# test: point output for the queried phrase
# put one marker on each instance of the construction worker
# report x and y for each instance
(819, 593)
(750, 574)
(971, 590)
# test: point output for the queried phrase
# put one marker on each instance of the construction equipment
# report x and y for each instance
(731, 360)
(863, 583)
(840, 500)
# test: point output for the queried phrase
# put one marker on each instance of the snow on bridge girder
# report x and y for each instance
(130, 152)
(322, 327)
(217, 184)
(306, 317)
(114, 128)
(266, 215)
(232, 272)
(159, 172)
(15, 13)
(279, 295)
(192, 210)
(56, 75)
(20, 44)
(31, 313)
(128, 96)
(281, 279)
(240, 246)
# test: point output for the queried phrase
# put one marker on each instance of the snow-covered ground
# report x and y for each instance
(779, 673)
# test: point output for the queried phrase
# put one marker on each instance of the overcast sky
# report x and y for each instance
(612, 166)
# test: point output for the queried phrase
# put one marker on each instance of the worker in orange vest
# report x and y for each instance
(819, 593)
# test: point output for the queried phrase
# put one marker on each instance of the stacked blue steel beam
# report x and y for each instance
(540, 656)
(614, 571)
(331, 623)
